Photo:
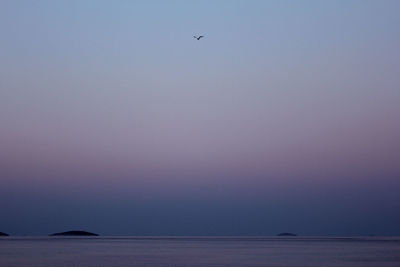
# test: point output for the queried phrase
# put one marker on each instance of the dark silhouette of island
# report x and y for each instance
(74, 233)
(3, 234)
(287, 234)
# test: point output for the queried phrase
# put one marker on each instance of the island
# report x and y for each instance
(74, 233)
(286, 234)
(3, 234)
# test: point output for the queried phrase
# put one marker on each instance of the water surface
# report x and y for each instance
(199, 251)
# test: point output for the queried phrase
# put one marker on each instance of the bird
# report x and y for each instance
(198, 38)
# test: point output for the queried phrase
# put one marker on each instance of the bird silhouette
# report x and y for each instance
(198, 38)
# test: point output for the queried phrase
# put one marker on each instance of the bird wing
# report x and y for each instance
(201, 36)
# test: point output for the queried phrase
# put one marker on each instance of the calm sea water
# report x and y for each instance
(199, 251)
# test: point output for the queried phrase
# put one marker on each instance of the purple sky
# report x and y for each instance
(285, 117)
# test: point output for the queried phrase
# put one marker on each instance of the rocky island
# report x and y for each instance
(3, 234)
(287, 234)
(74, 233)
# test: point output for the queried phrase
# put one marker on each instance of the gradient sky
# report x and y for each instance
(284, 118)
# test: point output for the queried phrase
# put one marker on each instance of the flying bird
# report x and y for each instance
(198, 38)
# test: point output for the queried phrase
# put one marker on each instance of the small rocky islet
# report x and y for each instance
(74, 233)
(286, 234)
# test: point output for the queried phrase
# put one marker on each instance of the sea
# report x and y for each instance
(200, 251)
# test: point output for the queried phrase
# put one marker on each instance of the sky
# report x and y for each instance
(283, 118)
